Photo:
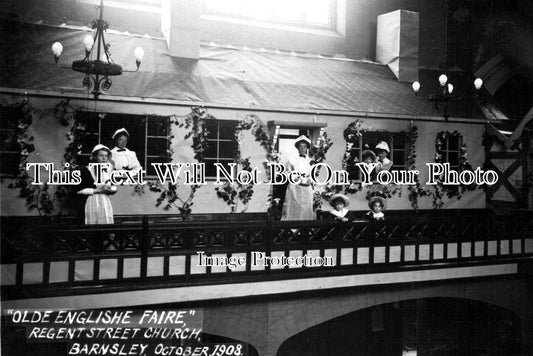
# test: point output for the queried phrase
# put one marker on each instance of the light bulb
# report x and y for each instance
(443, 79)
(416, 86)
(88, 42)
(450, 88)
(478, 83)
(139, 53)
(57, 48)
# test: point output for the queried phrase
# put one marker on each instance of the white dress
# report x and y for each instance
(298, 203)
(125, 159)
(384, 165)
(98, 208)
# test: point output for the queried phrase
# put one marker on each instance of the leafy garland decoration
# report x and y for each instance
(352, 135)
(36, 197)
(415, 191)
(168, 192)
(450, 191)
(320, 149)
(243, 192)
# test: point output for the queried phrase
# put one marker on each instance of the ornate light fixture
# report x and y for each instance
(446, 94)
(98, 70)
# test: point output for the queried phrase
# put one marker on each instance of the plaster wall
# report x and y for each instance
(50, 144)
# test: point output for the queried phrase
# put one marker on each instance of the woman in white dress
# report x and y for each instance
(97, 207)
(298, 203)
(123, 158)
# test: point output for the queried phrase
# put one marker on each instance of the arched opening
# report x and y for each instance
(432, 326)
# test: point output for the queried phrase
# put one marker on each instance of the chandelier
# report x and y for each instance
(98, 64)
(446, 95)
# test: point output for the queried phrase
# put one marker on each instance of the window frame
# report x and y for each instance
(142, 157)
(13, 132)
(446, 151)
(206, 160)
(390, 141)
(301, 21)
(3, 154)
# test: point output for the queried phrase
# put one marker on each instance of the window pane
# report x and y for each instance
(8, 141)
(227, 130)
(258, 9)
(453, 143)
(318, 12)
(157, 146)
(9, 163)
(150, 171)
(300, 12)
(226, 149)
(211, 151)
(90, 120)
(9, 117)
(212, 127)
(398, 158)
(210, 169)
(88, 141)
(453, 158)
(399, 141)
(158, 126)
(288, 10)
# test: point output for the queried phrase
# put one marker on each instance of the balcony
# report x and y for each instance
(44, 259)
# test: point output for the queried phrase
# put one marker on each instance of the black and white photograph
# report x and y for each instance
(266, 177)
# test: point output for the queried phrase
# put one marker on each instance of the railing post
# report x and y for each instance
(144, 244)
(269, 236)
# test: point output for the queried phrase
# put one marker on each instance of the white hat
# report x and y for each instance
(99, 147)
(383, 146)
(302, 138)
(119, 131)
(342, 197)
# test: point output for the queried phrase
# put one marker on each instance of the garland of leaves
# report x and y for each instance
(36, 197)
(168, 192)
(231, 194)
(415, 191)
(320, 150)
(352, 135)
(450, 191)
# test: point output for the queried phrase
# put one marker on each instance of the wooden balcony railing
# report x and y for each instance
(55, 259)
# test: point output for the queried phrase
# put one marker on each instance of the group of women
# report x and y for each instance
(96, 205)
(298, 204)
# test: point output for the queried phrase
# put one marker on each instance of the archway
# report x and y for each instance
(429, 326)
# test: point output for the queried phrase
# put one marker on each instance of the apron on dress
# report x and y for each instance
(298, 203)
(98, 208)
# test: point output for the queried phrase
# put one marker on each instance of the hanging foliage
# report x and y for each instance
(64, 112)
(320, 149)
(18, 120)
(415, 191)
(169, 196)
(352, 136)
(232, 193)
(450, 191)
